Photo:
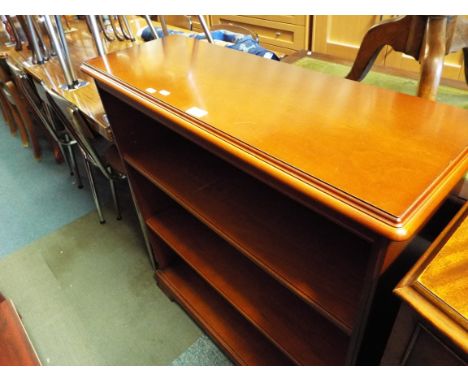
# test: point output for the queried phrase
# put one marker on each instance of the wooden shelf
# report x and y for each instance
(281, 316)
(243, 343)
(322, 263)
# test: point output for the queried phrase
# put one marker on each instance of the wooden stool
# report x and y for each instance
(426, 38)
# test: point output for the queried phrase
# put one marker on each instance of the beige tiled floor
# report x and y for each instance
(87, 297)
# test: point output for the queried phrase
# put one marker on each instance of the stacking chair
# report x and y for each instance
(16, 111)
(24, 86)
(55, 127)
(109, 163)
(6, 112)
(58, 134)
(4, 107)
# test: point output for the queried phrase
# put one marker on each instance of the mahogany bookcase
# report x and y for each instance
(274, 197)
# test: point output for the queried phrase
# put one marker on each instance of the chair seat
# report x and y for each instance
(112, 158)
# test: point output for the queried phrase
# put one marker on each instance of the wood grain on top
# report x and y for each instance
(446, 277)
(382, 158)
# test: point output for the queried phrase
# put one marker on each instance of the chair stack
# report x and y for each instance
(33, 109)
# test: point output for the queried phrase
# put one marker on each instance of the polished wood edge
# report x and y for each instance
(394, 228)
(444, 323)
(421, 299)
(441, 304)
(32, 357)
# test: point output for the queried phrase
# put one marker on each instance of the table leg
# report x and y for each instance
(392, 32)
(432, 61)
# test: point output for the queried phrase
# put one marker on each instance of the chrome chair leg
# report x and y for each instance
(116, 200)
(74, 164)
(70, 157)
(89, 173)
(66, 157)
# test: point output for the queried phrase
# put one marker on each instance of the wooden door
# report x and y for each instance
(341, 36)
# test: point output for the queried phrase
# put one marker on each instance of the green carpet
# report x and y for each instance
(87, 296)
(449, 95)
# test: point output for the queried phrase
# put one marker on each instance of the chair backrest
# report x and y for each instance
(4, 72)
(17, 31)
(76, 126)
(23, 83)
(26, 86)
(54, 122)
(6, 81)
(40, 90)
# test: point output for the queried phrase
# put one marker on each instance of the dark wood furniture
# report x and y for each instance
(15, 347)
(17, 112)
(426, 38)
(274, 197)
(432, 326)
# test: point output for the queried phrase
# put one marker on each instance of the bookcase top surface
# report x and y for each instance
(382, 158)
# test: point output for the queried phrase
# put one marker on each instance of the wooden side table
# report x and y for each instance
(426, 38)
(432, 326)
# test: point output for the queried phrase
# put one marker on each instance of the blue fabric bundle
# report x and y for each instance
(249, 45)
(237, 41)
